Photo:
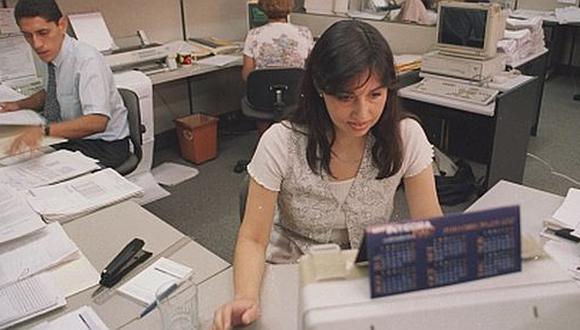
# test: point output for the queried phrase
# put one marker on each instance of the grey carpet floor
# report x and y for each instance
(206, 208)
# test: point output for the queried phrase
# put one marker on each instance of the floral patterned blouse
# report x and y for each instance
(278, 45)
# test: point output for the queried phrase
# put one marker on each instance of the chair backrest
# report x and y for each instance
(136, 129)
(274, 90)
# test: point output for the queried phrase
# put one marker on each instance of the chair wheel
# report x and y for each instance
(241, 166)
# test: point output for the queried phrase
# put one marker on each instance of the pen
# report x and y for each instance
(162, 295)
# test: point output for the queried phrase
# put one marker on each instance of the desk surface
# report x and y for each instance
(101, 235)
(189, 71)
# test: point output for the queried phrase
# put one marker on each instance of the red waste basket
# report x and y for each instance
(197, 136)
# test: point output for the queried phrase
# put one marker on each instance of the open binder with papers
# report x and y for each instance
(83, 195)
(28, 298)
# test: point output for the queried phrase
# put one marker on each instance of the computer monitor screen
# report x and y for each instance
(256, 16)
(469, 29)
(463, 27)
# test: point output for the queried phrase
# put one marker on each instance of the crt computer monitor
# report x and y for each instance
(469, 29)
(256, 16)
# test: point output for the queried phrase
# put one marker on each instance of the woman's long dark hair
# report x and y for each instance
(344, 52)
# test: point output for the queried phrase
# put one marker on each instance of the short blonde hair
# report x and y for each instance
(275, 9)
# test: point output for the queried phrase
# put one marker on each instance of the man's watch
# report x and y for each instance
(46, 129)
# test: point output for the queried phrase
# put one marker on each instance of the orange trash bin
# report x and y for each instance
(197, 136)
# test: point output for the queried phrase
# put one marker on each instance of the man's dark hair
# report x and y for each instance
(47, 9)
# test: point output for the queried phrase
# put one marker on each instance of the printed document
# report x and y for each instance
(21, 117)
(80, 196)
(568, 214)
(47, 169)
(16, 217)
(34, 253)
(7, 22)
(16, 61)
(28, 298)
(82, 318)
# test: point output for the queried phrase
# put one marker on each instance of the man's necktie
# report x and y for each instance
(51, 107)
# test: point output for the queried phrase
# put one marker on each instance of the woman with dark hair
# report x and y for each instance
(333, 167)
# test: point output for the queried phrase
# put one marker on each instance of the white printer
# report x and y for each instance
(141, 85)
(147, 57)
(541, 296)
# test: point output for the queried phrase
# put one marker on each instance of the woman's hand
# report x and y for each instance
(240, 311)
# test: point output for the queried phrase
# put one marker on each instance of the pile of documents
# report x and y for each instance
(26, 289)
(522, 38)
(568, 15)
(86, 194)
(47, 169)
(407, 62)
(565, 222)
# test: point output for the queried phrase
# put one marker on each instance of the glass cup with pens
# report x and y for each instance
(177, 304)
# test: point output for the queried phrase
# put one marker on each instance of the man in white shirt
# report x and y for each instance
(79, 101)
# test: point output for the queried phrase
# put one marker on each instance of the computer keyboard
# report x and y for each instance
(455, 90)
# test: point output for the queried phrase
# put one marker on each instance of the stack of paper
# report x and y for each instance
(47, 169)
(522, 38)
(34, 253)
(83, 195)
(21, 117)
(17, 218)
(82, 318)
(28, 298)
(407, 62)
(568, 214)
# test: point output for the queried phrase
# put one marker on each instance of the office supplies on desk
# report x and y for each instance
(457, 91)
(568, 214)
(147, 57)
(18, 219)
(47, 169)
(436, 252)
(216, 46)
(77, 197)
(144, 285)
(82, 318)
(130, 257)
(28, 298)
(220, 60)
(34, 253)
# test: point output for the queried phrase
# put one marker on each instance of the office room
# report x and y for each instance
(213, 219)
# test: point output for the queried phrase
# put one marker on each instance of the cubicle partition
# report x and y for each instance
(403, 38)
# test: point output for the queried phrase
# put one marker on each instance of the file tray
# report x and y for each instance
(437, 252)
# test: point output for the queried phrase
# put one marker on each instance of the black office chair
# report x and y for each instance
(270, 94)
(136, 129)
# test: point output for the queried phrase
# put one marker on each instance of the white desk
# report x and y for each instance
(193, 70)
(424, 309)
(101, 235)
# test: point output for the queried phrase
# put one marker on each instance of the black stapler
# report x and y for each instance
(131, 256)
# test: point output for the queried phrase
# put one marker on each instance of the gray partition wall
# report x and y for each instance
(215, 18)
